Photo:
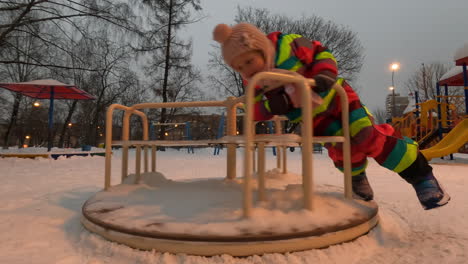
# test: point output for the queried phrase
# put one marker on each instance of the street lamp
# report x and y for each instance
(394, 67)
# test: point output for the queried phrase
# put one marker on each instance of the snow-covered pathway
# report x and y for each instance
(42, 199)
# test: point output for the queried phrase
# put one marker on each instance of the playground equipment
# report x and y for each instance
(437, 125)
(101, 212)
(453, 134)
(450, 143)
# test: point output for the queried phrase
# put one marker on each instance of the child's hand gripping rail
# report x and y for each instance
(290, 88)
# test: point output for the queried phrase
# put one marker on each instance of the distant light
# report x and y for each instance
(395, 66)
(70, 124)
(237, 132)
(25, 146)
(37, 104)
(176, 125)
(27, 137)
(100, 135)
(166, 134)
(391, 88)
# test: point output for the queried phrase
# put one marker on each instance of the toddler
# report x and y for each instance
(249, 51)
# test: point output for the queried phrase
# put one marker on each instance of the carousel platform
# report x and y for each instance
(204, 217)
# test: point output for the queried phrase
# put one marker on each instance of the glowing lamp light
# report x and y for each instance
(27, 137)
(391, 88)
(176, 125)
(70, 124)
(36, 104)
(166, 134)
(395, 66)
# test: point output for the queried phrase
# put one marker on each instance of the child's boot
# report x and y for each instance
(429, 191)
(361, 187)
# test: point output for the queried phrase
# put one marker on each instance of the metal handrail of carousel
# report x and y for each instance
(231, 104)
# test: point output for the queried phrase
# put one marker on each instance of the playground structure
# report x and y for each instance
(437, 125)
(98, 210)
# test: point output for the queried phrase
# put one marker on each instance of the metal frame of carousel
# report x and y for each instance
(358, 224)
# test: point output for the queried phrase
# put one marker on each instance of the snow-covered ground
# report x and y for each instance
(41, 204)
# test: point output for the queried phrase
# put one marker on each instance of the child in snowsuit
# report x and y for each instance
(249, 51)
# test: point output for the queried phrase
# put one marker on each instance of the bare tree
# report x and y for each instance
(45, 11)
(226, 81)
(424, 80)
(112, 81)
(27, 50)
(176, 55)
(51, 27)
(341, 40)
(380, 115)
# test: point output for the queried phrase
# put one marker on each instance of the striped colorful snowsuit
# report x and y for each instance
(311, 59)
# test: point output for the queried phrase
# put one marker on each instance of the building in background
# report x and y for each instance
(401, 102)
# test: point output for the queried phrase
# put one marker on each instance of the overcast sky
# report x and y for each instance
(410, 32)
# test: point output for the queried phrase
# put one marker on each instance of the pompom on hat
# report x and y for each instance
(240, 39)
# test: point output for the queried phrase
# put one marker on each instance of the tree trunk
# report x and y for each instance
(13, 118)
(65, 123)
(162, 118)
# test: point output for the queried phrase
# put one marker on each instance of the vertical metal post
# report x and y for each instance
(439, 110)
(261, 171)
(108, 158)
(418, 121)
(393, 96)
(51, 119)
(278, 131)
(270, 131)
(138, 164)
(307, 135)
(465, 83)
(447, 104)
(447, 113)
(153, 158)
(145, 158)
(231, 131)
(124, 161)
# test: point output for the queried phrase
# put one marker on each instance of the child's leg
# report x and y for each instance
(378, 141)
(398, 154)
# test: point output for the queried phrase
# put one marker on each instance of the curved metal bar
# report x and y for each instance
(109, 119)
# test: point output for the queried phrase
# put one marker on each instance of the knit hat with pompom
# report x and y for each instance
(242, 38)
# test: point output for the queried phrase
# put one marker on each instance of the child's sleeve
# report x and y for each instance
(324, 70)
(320, 64)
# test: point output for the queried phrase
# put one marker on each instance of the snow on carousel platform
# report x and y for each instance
(204, 217)
(239, 216)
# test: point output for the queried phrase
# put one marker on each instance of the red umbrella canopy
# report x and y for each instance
(42, 89)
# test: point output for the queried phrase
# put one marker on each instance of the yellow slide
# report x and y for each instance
(450, 143)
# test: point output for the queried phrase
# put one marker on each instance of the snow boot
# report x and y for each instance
(361, 187)
(430, 193)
